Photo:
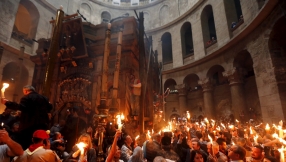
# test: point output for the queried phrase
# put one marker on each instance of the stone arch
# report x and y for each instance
(164, 15)
(167, 51)
(243, 60)
(170, 83)
(277, 49)
(15, 74)
(232, 10)
(208, 24)
(85, 10)
(216, 76)
(187, 40)
(26, 22)
(105, 17)
(191, 82)
(243, 63)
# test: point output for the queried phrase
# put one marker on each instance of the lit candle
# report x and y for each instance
(136, 138)
(267, 128)
(255, 139)
(81, 146)
(211, 140)
(188, 115)
(119, 122)
(280, 131)
(5, 85)
(281, 150)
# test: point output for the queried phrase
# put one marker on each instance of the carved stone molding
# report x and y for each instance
(182, 89)
(206, 84)
(235, 75)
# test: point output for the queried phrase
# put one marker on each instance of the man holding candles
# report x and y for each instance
(34, 113)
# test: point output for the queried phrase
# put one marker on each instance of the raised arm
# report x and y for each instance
(14, 149)
(113, 147)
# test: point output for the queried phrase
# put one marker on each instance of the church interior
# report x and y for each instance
(207, 58)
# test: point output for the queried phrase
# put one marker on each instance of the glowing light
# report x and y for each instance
(136, 138)
(81, 147)
(267, 127)
(5, 85)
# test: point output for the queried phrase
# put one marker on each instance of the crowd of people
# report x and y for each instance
(27, 137)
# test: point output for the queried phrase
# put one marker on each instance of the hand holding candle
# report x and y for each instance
(5, 85)
(119, 118)
(81, 147)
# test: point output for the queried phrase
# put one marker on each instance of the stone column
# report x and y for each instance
(235, 78)
(182, 96)
(208, 97)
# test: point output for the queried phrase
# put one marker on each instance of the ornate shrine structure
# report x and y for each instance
(77, 74)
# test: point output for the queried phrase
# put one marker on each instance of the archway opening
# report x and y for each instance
(167, 48)
(187, 40)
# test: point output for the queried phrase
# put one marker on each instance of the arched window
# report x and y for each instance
(167, 48)
(85, 11)
(105, 17)
(26, 22)
(187, 40)
(216, 76)
(208, 26)
(233, 12)
(170, 83)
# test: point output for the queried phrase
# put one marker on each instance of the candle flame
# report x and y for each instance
(136, 138)
(211, 140)
(5, 85)
(250, 129)
(267, 127)
(206, 120)
(122, 116)
(81, 147)
(119, 122)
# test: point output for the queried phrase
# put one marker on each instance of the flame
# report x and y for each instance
(211, 140)
(119, 122)
(250, 129)
(236, 120)
(206, 120)
(188, 115)
(255, 139)
(148, 134)
(267, 127)
(122, 116)
(275, 135)
(5, 85)
(222, 125)
(81, 146)
(231, 126)
(136, 138)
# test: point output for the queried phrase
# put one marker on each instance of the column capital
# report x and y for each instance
(235, 75)
(206, 84)
(182, 89)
